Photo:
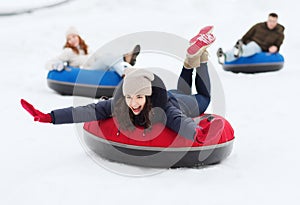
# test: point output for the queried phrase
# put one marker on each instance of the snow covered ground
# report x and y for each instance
(47, 164)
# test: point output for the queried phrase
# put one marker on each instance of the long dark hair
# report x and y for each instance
(127, 120)
(82, 45)
(153, 111)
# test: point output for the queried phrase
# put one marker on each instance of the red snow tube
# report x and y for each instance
(160, 147)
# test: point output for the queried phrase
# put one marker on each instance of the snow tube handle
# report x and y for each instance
(209, 118)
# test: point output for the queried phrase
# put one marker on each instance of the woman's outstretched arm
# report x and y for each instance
(87, 113)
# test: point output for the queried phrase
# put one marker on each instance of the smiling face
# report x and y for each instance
(136, 103)
(73, 40)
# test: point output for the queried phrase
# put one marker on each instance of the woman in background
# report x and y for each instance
(76, 54)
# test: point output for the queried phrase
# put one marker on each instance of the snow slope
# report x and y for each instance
(47, 164)
(16, 7)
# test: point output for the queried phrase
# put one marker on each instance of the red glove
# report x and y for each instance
(200, 136)
(211, 133)
(38, 116)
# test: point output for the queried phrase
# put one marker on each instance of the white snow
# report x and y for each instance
(47, 164)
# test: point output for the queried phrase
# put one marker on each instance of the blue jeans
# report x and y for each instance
(192, 105)
(248, 50)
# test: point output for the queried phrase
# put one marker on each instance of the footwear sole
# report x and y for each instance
(135, 53)
(205, 30)
(196, 49)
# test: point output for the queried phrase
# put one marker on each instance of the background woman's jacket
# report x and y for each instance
(68, 55)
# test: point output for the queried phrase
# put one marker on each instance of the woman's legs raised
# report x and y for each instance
(185, 80)
(197, 57)
(203, 87)
(202, 81)
(193, 105)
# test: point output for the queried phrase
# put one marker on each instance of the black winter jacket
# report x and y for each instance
(173, 118)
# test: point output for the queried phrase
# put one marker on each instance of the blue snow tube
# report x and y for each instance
(260, 62)
(81, 82)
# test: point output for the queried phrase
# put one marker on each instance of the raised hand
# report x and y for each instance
(37, 115)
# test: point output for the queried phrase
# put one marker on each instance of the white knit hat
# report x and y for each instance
(137, 82)
(72, 30)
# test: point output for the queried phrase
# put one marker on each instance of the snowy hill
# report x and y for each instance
(47, 164)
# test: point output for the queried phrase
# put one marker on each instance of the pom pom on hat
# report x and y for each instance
(72, 30)
(137, 82)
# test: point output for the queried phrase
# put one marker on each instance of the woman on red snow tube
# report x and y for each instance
(141, 101)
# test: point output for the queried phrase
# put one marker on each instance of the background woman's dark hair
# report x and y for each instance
(82, 45)
(127, 120)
